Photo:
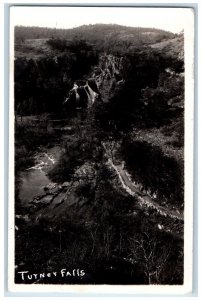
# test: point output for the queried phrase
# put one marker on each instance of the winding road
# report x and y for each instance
(143, 199)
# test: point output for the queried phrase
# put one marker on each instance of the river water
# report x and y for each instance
(34, 179)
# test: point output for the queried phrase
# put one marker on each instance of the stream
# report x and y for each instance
(34, 179)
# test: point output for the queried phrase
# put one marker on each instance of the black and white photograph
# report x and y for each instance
(101, 104)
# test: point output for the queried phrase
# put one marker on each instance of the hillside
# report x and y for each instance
(172, 47)
(91, 32)
(99, 154)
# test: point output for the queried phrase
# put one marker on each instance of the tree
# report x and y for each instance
(153, 254)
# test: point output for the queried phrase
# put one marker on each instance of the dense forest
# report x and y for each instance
(111, 98)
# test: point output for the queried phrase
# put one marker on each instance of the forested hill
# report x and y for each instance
(48, 61)
(103, 35)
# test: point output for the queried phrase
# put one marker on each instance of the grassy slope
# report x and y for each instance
(33, 49)
(172, 47)
(34, 39)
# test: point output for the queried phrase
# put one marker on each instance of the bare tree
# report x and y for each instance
(148, 252)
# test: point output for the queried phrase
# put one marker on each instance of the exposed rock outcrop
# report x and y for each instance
(100, 84)
(57, 199)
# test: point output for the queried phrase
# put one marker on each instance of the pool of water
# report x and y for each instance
(33, 182)
(34, 179)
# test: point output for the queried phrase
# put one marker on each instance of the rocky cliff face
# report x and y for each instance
(101, 82)
(108, 75)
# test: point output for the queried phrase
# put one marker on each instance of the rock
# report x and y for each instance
(68, 129)
(59, 203)
(47, 199)
(66, 184)
(50, 186)
(59, 198)
(18, 216)
(160, 226)
(85, 171)
(23, 217)
(76, 183)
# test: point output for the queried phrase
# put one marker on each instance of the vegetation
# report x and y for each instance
(98, 34)
(146, 162)
(41, 85)
(105, 242)
(139, 115)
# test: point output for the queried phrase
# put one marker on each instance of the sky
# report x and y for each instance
(170, 19)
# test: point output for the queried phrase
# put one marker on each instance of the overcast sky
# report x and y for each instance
(171, 19)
